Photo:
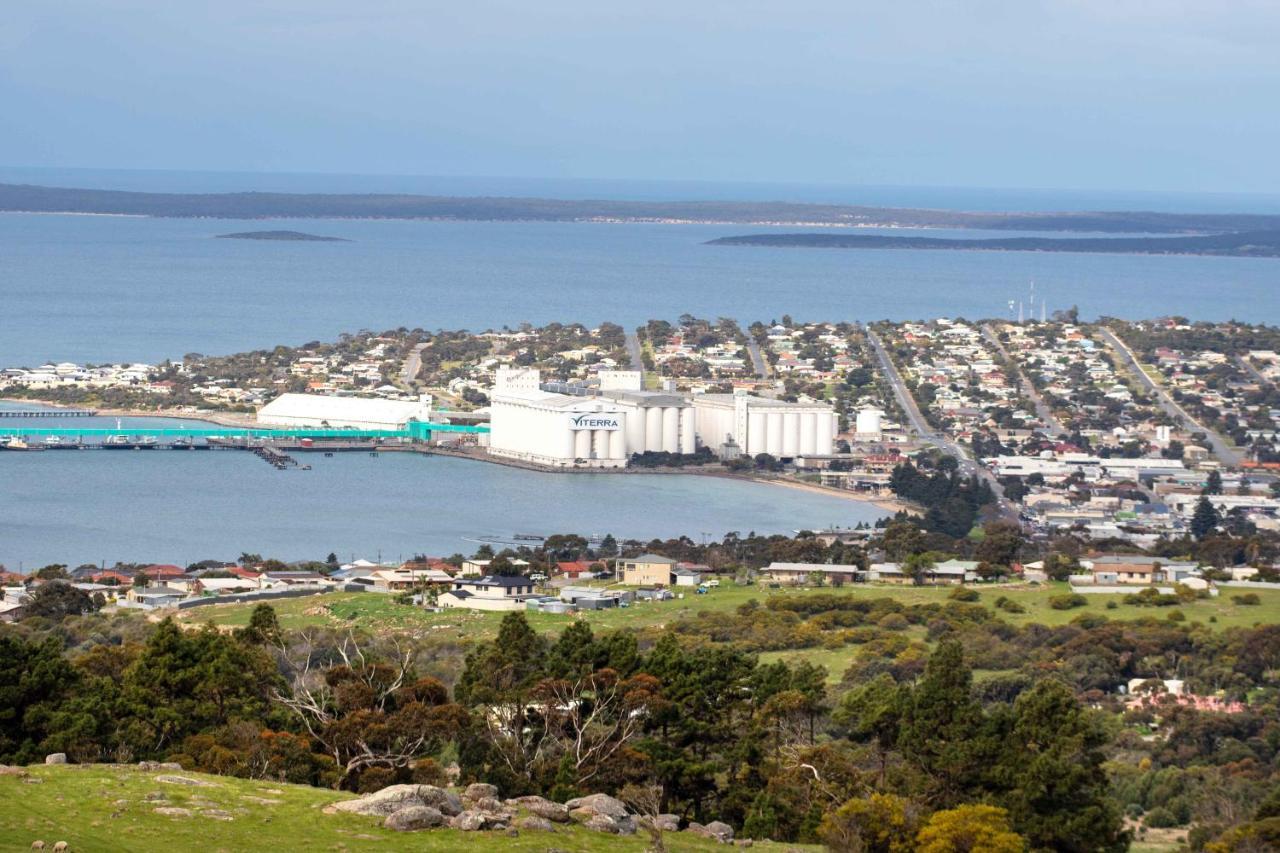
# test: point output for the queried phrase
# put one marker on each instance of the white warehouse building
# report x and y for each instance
(324, 412)
(762, 425)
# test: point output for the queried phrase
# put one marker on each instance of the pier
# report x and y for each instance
(48, 413)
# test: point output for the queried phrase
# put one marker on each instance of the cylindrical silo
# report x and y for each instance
(582, 444)
(809, 432)
(688, 435)
(653, 428)
(757, 434)
(790, 433)
(600, 443)
(671, 429)
(634, 430)
(825, 437)
(773, 436)
(617, 444)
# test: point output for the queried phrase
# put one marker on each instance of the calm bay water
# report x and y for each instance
(171, 506)
(120, 288)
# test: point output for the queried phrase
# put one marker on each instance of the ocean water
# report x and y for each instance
(108, 288)
(183, 506)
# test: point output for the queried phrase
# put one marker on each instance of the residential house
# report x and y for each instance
(647, 570)
(491, 592)
(804, 573)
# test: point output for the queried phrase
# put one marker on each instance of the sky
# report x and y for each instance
(1160, 95)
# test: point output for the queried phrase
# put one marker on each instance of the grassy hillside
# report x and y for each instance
(380, 613)
(106, 808)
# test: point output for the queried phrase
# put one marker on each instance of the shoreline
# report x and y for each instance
(237, 419)
(230, 419)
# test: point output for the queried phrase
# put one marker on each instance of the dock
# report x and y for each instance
(48, 413)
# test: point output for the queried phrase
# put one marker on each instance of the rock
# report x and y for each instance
(615, 825)
(184, 780)
(395, 797)
(471, 821)
(662, 822)
(533, 822)
(56, 758)
(412, 818)
(479, 791)
(216, 814)
(597, 804)
(172, 811)
(486, 804)
(159, 765)
(261, 801)
(543, 808)
(10, 770)
(721, 832)
(155, 797)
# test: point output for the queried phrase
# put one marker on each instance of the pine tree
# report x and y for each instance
(1205, 519)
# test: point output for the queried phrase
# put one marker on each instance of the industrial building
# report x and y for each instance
(324, 412)
(557, 429)
(565, 430)
(761, 425)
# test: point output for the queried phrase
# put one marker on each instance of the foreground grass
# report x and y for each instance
(379, 613)
(104, 808)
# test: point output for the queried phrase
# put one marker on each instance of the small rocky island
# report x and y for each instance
(288, 236)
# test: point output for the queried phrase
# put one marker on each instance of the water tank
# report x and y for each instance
(868, 422)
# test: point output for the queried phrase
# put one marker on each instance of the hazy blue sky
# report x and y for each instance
(1161, 94)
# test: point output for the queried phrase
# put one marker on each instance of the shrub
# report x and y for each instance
(1008, 605)
(894, 622)
(1177, 616)
(1249, 599)
(1160, 818)
(1067, 602)
(961, 593)
(1112, 605)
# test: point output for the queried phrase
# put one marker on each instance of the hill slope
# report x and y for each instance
(114, 808)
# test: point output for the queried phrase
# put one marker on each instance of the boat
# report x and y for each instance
(15, 443)
(57, 442)
(147, 442)
(181, 444)
(117, 442)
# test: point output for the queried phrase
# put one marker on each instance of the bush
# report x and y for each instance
(1067, 602)
(1248, 599)
(1112, 605)
(961, 593)
(1177, 616)
(1008, 605)
(1160, 818)
(894, 622)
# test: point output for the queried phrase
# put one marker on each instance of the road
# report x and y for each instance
(412, 364)
(635, 354)
(757, 358)
(1221, 448)
(1248, 367)
(1043, 412)
(968, 466)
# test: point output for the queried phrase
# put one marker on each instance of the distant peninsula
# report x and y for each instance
(286, 236)
(26, 198)
(1253, 244)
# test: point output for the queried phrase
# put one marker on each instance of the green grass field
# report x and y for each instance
(105, 808)
(379, 613)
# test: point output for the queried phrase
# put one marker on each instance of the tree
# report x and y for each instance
(34, 680)
(53, 571)
(942, 731)
(1052, 773)
(263, 627)
(969, 829)
(56, 600)
(1205, 519)
(881, 823)
(1213, 484)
